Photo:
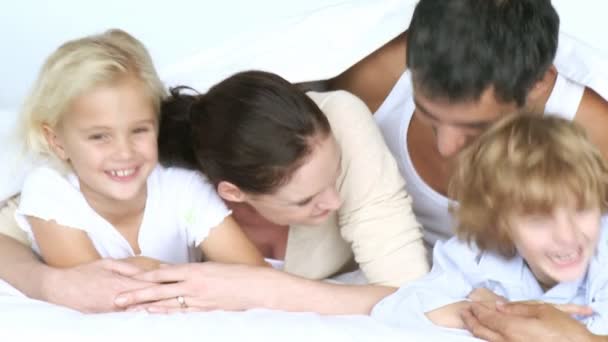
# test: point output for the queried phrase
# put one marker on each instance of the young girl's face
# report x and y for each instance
(108, 136)
(557, 246)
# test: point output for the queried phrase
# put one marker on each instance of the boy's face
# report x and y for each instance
(557, 246)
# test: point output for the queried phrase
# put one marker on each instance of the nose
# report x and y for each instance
(123, 148)
(450, 140)
(565, 230)
(330, 200)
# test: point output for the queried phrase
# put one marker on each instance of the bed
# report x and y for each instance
(198, 43)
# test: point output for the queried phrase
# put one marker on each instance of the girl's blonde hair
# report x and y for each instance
(524, 164)
(79, 66)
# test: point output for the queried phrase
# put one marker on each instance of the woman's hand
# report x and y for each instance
(210, 286)
(203, 286)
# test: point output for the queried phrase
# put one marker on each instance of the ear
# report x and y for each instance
(230, 192)
(54, 142)
(543, 87)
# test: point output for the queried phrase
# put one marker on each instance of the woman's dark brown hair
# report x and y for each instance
(253, 130)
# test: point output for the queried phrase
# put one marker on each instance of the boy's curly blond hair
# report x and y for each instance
(524, 164)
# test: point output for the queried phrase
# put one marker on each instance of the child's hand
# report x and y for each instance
(482, 294)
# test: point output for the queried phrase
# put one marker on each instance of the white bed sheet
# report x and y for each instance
(24, 319)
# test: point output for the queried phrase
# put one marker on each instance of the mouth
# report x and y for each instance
(122, 175)
(322, 214)
(567, 259)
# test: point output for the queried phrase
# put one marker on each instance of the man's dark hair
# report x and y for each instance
(459, 48)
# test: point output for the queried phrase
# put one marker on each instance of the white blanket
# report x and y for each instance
(23, 319)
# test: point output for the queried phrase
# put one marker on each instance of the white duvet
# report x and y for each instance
(25, 319)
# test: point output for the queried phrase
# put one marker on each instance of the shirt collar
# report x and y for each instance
(515, 272)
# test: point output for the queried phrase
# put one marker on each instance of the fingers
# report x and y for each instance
(165, 274)
(477, 328)
(487, 316)
(170, 305)
(150, 294)
(163, 310)
(574, 309)
(524, 309)
(483, 295)
(122, 268)
(150, 308)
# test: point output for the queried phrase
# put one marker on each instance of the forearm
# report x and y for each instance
(449, 316)
(293, 293)
(20, 267)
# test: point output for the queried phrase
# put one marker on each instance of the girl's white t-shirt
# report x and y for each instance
(181, 208)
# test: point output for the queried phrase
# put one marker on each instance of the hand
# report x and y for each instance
(204, 286)
(143, 263)
(572, 309)
(91, 287)
(523, 322)
(481, 294)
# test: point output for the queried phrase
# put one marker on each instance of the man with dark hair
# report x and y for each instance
(461, 66)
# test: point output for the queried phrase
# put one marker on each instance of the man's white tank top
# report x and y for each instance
(393, 117)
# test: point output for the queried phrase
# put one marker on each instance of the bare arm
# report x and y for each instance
(210, 286)
(20, 267)
(592, 114)
(89, 288)
(372, 78)
(449, 316)
(68, 247)
(227, 243)
(62, 246)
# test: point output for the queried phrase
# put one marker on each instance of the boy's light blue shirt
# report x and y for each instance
(458, 268)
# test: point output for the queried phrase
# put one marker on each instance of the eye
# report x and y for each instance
(304, 202)
(141, 130)
(98, 137)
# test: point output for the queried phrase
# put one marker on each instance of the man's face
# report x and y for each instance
(456, 124)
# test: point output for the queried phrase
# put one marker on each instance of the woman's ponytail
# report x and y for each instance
(175, 144)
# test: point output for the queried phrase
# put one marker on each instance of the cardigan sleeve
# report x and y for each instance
(376, 216)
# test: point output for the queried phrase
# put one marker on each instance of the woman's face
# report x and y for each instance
(311, 195)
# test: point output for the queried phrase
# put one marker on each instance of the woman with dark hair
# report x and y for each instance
(310, 181)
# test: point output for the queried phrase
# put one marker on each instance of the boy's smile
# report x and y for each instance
(557, 246)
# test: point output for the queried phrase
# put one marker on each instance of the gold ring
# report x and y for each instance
(181, 301)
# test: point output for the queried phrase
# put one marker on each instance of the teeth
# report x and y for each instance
(565, 256)
(122, 173)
